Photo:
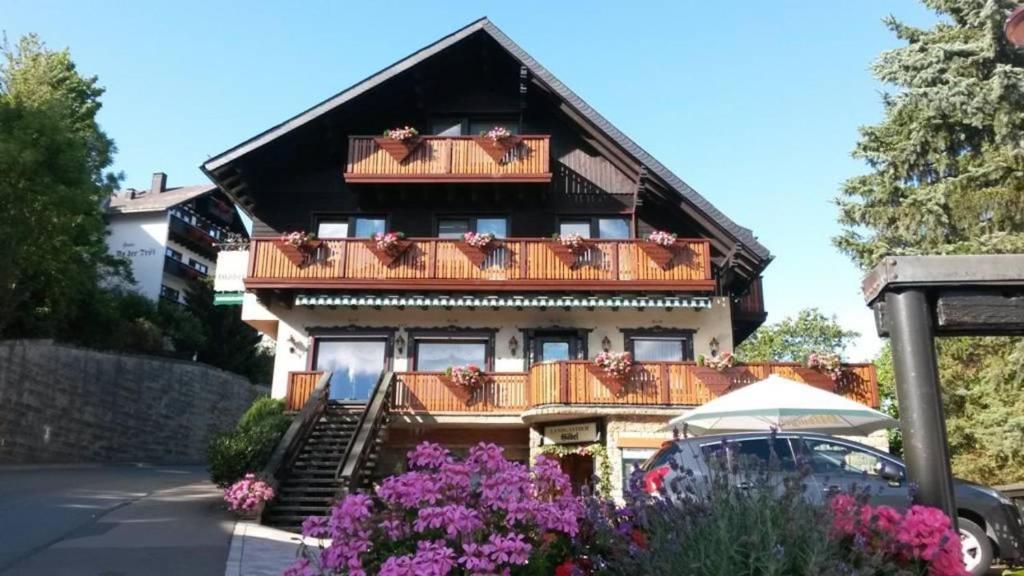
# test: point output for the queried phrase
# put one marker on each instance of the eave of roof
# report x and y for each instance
(743, 235)
(503, 301)
(156, 201)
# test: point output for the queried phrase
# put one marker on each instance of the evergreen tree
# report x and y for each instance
(947, 176)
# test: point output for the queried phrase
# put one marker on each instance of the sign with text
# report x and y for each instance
(571, 433)
(231, 268)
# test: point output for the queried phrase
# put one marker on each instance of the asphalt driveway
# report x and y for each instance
(112, 521)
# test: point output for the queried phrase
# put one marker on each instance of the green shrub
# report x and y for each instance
(248, 447)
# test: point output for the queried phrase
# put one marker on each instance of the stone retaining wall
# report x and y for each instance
(65, 404)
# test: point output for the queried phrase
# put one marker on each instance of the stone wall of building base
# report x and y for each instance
(66, 404)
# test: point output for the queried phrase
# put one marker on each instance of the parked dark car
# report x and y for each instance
(991, 527)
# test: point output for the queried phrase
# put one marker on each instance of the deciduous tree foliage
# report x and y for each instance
(52, 180)
(947, 176)
(792, 339)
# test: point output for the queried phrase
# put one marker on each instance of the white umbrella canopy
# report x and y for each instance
(785, 405)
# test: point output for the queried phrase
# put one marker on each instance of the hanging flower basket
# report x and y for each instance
(464, 380)
(497, 142)
(612, 369)
(717, 382)
(399, 142)
(300, 248)
(388, 247)
(660, 248)
(477, 247)
(826, 363)
(569, 248)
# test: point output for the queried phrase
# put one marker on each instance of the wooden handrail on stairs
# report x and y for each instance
(290, 444)
(352, 465)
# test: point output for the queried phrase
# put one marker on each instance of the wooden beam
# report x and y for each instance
(982, 312)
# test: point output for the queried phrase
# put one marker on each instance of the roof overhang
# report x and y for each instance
(498, 302)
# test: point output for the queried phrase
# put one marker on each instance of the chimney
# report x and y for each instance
(159, 182)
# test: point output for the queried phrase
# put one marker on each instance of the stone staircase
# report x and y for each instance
(310, 485)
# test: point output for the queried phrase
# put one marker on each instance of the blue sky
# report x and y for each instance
(754, 104)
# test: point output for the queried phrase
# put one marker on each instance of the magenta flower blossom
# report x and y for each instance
(482, 515)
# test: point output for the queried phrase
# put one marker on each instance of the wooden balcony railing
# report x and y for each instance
(520, 264)
(428, 392)
(578, 383)
(300, 386)
(448, 159)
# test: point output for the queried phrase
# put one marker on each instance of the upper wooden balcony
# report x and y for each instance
(579, 383)
(516, 264)
(439, 159)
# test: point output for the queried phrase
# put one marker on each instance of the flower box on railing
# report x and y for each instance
(389, 247)
(497, 142)
(398, 149)
(477, 247)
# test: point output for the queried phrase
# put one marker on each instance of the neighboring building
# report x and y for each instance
(170, 235)
(531, 313)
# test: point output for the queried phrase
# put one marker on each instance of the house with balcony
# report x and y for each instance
(367, 325)
(170, 235)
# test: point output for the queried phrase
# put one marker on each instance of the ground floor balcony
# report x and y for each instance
(514, 264)
(581, 384)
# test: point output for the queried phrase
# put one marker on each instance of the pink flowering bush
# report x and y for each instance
(573, 242)
(496, 134)
(388, 242)
(478, 240)
(719, 362)
(468, 376)
(662, 238)
(615, 364)
(248, 493)
(921, 539)
(826, 362)
(402, 134)
(481, 515)
(297, 238)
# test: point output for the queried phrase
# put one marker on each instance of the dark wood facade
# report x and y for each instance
(294, 176)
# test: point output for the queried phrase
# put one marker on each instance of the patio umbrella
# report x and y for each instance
(786, 405)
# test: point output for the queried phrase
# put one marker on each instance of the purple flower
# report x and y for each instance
(512, 549)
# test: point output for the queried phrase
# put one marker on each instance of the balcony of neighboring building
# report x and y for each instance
(553, 388)
(512, 264)
(448, 159)
(200, 234)
(184, 266)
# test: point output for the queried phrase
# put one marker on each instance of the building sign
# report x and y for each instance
(231, 268)
(571, 433)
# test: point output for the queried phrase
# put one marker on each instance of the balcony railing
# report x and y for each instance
(518, 264)
(448, 159)
(577, 383)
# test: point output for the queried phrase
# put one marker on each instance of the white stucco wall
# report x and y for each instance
(293, 339)
(141, 239)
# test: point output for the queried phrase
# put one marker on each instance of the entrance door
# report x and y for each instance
(580, 470)
(555, 346)
(356, 365)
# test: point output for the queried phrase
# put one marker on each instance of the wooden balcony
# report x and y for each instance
(518, 264)
(577, 383)
(439, 159)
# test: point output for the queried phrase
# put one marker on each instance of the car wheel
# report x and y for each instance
(976, 546)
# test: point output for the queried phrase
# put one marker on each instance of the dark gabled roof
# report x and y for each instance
(149, 201)
(743, 235)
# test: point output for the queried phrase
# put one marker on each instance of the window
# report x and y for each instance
(581, 227)
(833, 458)
(332, 229)
(753, 453)
(478, 125)
(172, 254)
(170, 293)
(355, 364)
(198, 265)
(447, 127)
(611, 228)
(367, 227)
(437, 354)
(456, 227)
(452, 228)
(659, 346)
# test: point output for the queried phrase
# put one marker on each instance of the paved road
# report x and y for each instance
(111, 521)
